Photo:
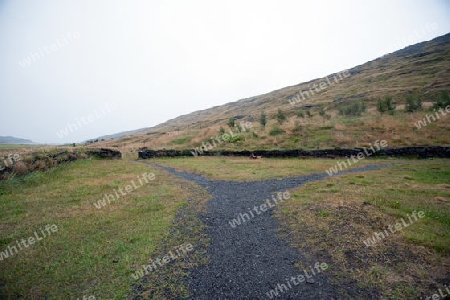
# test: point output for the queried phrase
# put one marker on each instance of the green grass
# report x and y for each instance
(95, 251)
(333, 217)
(180, 141)
(13, 146)
(276, 131)
(244, 169)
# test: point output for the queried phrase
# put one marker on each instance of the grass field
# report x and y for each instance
(331, 219)
(244, 169)
(96, 251)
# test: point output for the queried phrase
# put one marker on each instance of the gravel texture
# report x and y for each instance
(248, 261)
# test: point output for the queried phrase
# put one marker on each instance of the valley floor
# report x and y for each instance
(229, 228)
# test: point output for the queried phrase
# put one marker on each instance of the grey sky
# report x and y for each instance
(111, 66)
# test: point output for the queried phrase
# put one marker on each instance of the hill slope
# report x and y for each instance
(421, 70)
(14, 140)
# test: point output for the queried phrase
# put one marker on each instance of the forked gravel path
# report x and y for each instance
(248, 261)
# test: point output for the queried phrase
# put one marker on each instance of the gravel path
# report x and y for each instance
(248, 261)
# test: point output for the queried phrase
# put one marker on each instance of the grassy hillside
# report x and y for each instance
(419, 72)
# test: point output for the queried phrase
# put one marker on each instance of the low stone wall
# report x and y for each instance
(104, 153)
(42, 161)
(414, 152)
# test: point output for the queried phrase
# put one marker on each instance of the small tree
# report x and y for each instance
(262, 119)
(281, 117)
(413, 103)
(386, 105)
(231, 122)
(381, 106)
(354, 109)
(389, 105)
(442, 100)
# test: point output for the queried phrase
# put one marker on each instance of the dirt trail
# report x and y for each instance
(250, 260)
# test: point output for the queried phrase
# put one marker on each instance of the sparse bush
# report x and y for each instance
(255, 135)
(381, 107)
(231, 122)
(354, 109)
(413, 103)
(221, 130)
(385, 105)
(389, 105)
(276, 131)
(281, 117)
(236, 139)
(308, 113)
(442, 100)
(262, 119)
(322, 112)
(300, 114)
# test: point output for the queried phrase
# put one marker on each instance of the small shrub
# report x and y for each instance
(381, 107)
(281, 117)
(262, 119)
(300, 114)
(309, 114)
(386, 105)
(388, 101)
(354, 109)
(236, 139)
(442, 100)
(413, 103)
(323, 213)
(276, 131)
(231, 123)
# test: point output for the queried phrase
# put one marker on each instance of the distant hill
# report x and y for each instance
(315, 111)
(14, 140)
(117, 135)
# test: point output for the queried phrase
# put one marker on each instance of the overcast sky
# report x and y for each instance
(110, 66)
